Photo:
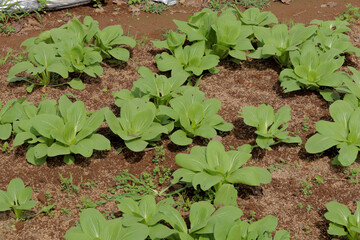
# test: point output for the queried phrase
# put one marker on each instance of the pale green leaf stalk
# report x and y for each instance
(270, 127)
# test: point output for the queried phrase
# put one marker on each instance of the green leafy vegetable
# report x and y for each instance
(279, 41)
(136, 124)
(93, 225)
(212, 166)
(195, 116)
(253, 17)
(108, 41)
(16, 198)
(9, 113)
(59, 129)
(231, 37)
(312, 70)
(344, 133)
(342, 222)
(190, 58)
(269, 126)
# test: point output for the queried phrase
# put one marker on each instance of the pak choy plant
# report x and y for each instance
(160, 89)
(147, 213)
(42, 64)
(9, 113)
(136, 124)
(194, 116)
(253, 17)
(231, 37)
(191, 58)
(198, 27)
(61, 129)
(110, 43)
(207, 222)
(17, 198)
(314, 70)
(173, 41)
(342, 222)
(93, 225)
(270, 126)
(343, 132)
(213, 167)
(279, 41)
(204, 221)
(351, 88)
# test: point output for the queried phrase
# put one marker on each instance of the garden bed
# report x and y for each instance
(294, 195)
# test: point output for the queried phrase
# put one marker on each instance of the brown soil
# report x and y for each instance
(251, 83)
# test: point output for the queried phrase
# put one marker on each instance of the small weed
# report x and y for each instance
(353, 175)
(142, 41)
(105, 90)
(300, 205)
(97, 3)
(109, 215)
(351, 14)
(86, 203)
(67, 184)
(275, 167)
(253, 217)
(319, 179)
(305, 124)
(309, 208)
(65, 211)
(48, 196)
(68, 14)
(183, 204)
(91, 184)
(159, 155)
(5, 147)
(156, 8)
(306, 187)
(253, 3)
(307, 229)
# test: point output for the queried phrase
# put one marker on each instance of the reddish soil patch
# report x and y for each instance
(251, 83)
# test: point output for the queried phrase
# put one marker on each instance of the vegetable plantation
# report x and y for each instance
(234, 126)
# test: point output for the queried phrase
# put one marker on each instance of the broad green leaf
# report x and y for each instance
(100, 142)
(347, 155)
(226, 195)
(5, 131)
(30, 157)
(205, 180)
(179, 138)
(319, 143)
(84, 148)
(44, 123)
(136, 145)
(337, 213)
(120, 54)
(252, 176)
(58, 149)
(76, 83)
